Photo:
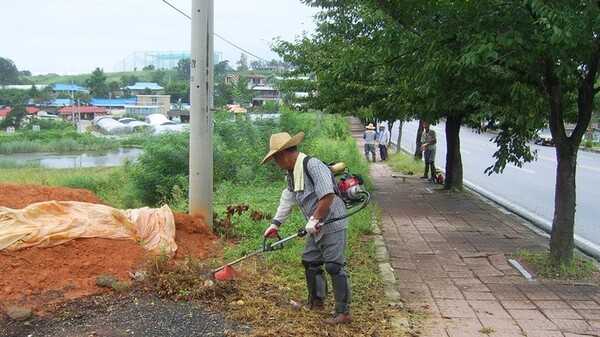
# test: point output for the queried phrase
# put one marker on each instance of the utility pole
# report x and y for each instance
(201, 116)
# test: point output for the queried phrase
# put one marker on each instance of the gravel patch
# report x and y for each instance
(133, 314)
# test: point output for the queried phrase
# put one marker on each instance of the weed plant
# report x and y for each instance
(405, 163)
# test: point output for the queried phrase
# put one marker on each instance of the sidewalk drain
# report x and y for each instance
(521, 269)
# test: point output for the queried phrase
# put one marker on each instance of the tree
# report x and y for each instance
(127, 80)
(179, 91)
(97, 84)
(183, 69)
(158, 76)
(552, 50)
(222, 68)
(113, 87)
(14, 117)
(223, 93)
(522, 63)
(241, 93)
(242, 64)
(13, 97)
(9, 74)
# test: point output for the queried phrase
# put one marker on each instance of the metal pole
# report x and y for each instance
(201, 117)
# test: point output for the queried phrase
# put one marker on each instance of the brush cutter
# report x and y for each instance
(226, 272)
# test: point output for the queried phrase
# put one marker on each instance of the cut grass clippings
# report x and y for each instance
(261, 297)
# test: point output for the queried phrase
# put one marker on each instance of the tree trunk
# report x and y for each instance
(562, 240)
(418, 153)
(399, 140)
(454, 168)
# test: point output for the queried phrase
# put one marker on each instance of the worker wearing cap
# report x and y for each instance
(314, 193)
(384, 140)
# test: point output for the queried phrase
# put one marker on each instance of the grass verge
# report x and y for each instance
(269, 281)
(582, 269)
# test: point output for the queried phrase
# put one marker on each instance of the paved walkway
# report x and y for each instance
(449, 253)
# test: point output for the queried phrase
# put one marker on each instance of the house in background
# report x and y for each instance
(149, 104)
(113, 105)
(62, 88)
(253, 79)
(138, 87)
(82, 112)
(263, 93)
(29, 110)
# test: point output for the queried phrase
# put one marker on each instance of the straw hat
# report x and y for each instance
(370, 126)
(382, 125)
(281, 141)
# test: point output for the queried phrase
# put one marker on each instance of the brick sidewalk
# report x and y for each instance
(449, 253)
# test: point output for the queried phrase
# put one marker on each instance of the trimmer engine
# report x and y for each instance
(349, 185)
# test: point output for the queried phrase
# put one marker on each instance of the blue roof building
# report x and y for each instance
(113, 102)
(63, 87)
(144, 85)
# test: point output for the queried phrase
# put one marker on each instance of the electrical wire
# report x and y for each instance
(217, 35)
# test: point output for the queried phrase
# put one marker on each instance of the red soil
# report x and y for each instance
(38, 277)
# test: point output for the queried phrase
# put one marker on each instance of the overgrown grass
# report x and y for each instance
(8, 164)
(405, 163)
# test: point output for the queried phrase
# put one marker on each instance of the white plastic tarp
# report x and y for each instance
(51, 223)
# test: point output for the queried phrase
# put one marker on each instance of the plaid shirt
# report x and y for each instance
(308, 199)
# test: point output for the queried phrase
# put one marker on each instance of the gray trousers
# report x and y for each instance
(328, 251)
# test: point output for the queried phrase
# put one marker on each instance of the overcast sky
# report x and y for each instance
(76, 36)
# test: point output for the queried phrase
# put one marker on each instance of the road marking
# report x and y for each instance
(520, 168)
(592, 168)
(583, 166)
(463, 151)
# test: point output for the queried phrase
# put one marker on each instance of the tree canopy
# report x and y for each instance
(9, 74)
(521, 63)
(97, 84)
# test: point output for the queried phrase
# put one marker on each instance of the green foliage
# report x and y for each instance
(49, 124)
(582, 268)
(8, 164)
(163, 165)
(14, 117)
(9, 74)
(97, 84)
(241, 93)
(179, 90)
(269, 107)
(405, 163)
(12, 97)
(183, 69)
(52, 141)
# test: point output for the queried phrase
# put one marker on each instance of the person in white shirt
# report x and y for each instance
(384, 140)
(428, 141)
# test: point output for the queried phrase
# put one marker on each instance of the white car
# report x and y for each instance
(544, 137)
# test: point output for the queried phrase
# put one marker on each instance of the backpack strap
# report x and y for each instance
(304, 163)
(336, 189)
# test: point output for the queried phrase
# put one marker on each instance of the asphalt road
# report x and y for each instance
(528, 190)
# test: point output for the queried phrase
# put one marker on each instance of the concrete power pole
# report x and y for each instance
(201, 116)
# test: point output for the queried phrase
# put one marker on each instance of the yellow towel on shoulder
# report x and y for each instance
(299, 173)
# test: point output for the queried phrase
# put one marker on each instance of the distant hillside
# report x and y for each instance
(142, 75)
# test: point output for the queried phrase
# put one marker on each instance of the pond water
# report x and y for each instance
(99, 158)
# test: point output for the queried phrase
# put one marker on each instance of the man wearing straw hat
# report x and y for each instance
(312, 188)
(370, 137)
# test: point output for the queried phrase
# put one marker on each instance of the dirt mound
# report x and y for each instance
(36, 278)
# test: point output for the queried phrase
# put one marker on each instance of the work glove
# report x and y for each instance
(272, 231)
(312, 226)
